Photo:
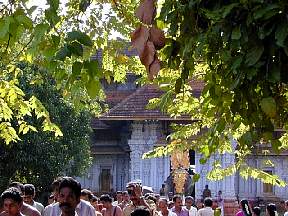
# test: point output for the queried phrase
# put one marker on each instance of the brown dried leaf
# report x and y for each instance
(154, 68)
(139, 38)
(146, 11)
(148, 54)
(157, 37)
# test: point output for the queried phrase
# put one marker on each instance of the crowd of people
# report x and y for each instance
(69, 199)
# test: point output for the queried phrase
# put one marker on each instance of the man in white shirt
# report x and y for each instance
(68, 201)
(207, 210)
(163, 207)
(28, 197)
(189, 201)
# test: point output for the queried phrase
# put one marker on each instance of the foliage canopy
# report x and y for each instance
(40, 156)
(238, 48)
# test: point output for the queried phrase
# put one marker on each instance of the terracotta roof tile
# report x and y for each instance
(134, 106)
(115, 97)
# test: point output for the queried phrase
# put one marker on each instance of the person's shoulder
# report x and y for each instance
(201, 210)
(98, 213)
(172, 213)
(193, 208)
(185, 209)
(27, 209)
(286, 213)
(118, 208)
(86, 204)
(39, 204)
(3, 213)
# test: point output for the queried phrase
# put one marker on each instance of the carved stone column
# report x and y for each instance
(136, 144)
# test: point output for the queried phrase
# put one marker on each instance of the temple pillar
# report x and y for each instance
(153, 172)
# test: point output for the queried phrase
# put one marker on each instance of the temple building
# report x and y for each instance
(128, 130)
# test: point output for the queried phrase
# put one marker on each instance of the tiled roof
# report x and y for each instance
(115, 97)
(134, 106)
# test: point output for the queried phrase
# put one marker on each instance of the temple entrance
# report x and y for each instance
(105, 180)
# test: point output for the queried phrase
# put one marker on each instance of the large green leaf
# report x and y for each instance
(75, 48)
(63, 53)
(268, 105)
(80, 37)
(281, 33)
(254, 54)
(93, 68)
(236, 33)
(93, 87)
(4, 26)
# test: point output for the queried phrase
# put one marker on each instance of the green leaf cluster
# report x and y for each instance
(238, 49)
(38, 157)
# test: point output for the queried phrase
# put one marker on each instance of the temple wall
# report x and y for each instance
(118, 166)
(153, 172)
(255, 189)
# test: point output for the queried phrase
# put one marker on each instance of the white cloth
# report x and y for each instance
(38, 206)
(170, 213)
(192, 211)
(207, 211)
(48, 210)
(84, 208)
(286, 213)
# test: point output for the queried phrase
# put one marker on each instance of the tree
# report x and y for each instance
(40, 156)
(62, 43)
(239, 49)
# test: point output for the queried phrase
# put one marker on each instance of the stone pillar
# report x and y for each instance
(153, 172)
(136, 144)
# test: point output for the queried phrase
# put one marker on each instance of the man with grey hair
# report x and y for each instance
(163, 208)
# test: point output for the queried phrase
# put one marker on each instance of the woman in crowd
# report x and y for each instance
(245, 209)
(271, 210)
(256, 211)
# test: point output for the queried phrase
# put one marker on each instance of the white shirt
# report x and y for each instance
(170, 213)
(207, 211)
(84, 208)
(38, 206)
(286, 213)
(192, 211)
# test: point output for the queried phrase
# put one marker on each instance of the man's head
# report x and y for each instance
(189, 201)
(119, 197)
(17, 185)
(206, 186)
(94, 201)
(12, 201)
(132, 187)
(29, 193)
(106, 200)
(219, 192)
(208, 202)
(163, 204)
(125, 196)
(69, 195)
(86, 195)
(177, 201)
